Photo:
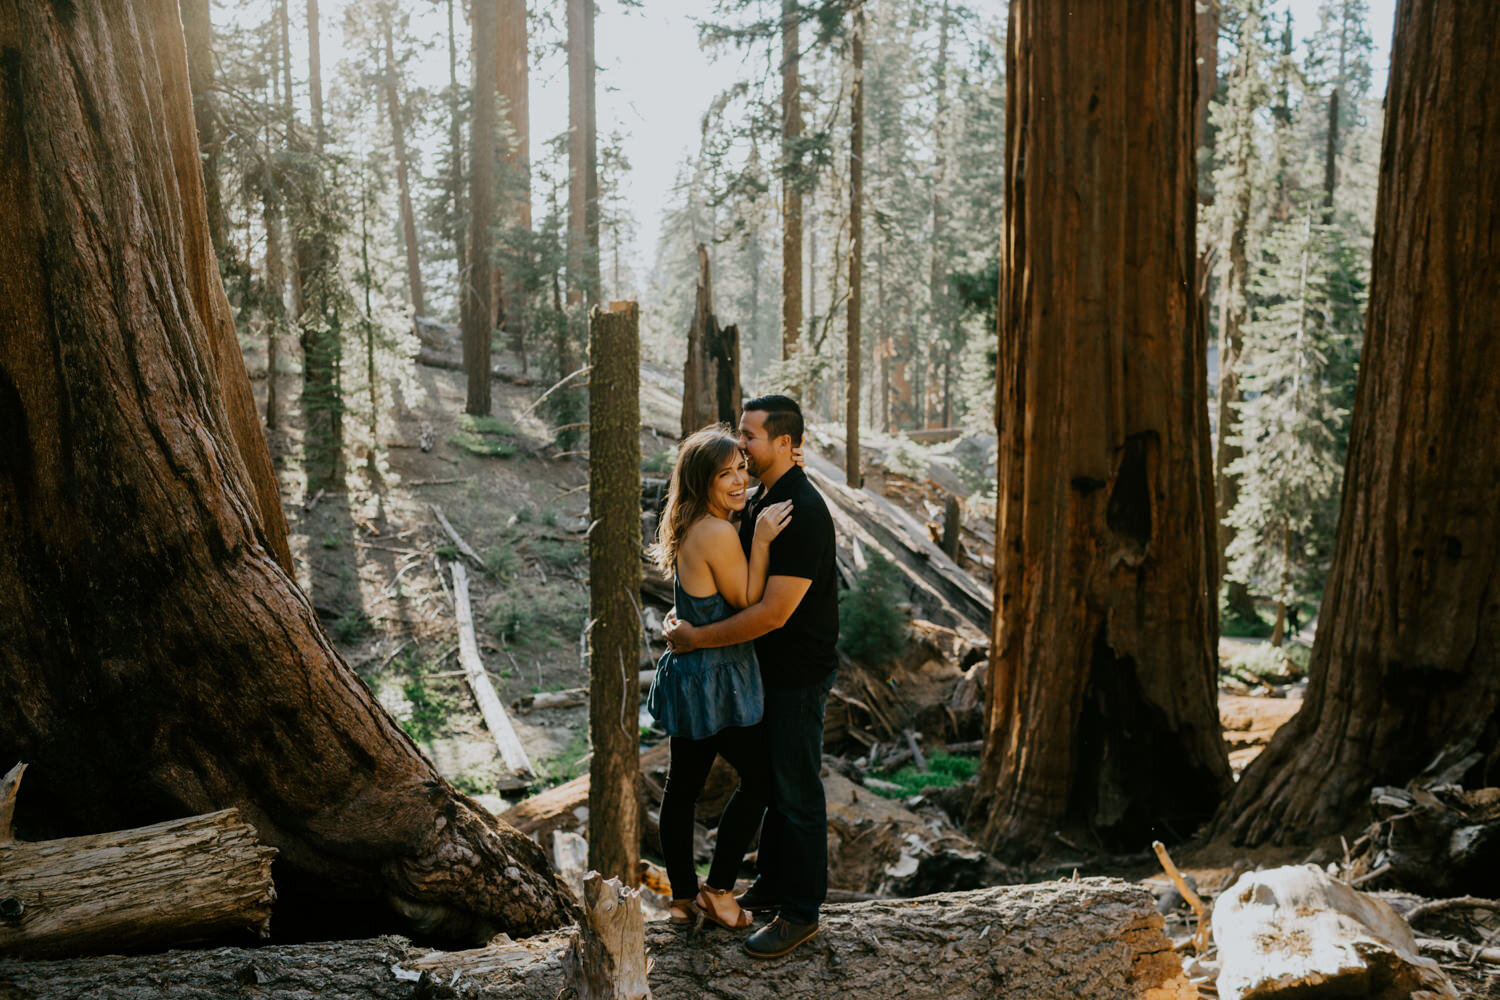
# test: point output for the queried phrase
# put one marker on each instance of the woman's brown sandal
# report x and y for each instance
(705, 905)
(683, 911)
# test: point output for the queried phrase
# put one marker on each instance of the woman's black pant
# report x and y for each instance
(745, 749)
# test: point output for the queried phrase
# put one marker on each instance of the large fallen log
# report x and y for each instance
(866, 521)
(184, 880)
(1088, 940)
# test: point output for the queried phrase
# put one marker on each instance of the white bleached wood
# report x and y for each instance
(458, 542)
(512, 753)
(9, 786)
(606, 959)
(1293, 931)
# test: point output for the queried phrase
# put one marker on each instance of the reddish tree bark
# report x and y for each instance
(1101, 687)
(156, 659)
(1405, 671)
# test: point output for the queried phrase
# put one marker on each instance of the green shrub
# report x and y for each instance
(1232, 624)
(1270, 664)
(501, 562)
(944, 770)
(872, 624)
(429, 714)
(660, 464)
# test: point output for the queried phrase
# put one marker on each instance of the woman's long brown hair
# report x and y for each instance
(699, 459)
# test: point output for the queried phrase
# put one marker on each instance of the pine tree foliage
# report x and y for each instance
(1298, 376)
(1298, 303)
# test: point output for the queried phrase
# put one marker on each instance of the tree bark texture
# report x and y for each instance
(403, 184)
(853, 475)
(459, 206)
(514, 84)
(1405, 671)
(1095, 939)
(315, 74)
(1103, 661)
(480, 320)
(614, 643)
(169, 883)
(583, 159)
(156, 659)
(791, 182)
(711, 374)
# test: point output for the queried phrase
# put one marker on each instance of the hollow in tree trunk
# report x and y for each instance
(1102, 707)
(1405, 671)
(156, 658)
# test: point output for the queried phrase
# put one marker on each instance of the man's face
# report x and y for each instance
(760, 450)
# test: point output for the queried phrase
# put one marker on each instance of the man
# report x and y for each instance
(795, 627)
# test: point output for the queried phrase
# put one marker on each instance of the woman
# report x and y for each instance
(709, 700)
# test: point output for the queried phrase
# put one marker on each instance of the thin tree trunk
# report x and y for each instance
(1102, 707)
(583, 163)
(853, 474)
(403, 186)
(1233, 313)
(198, 29)
(480, 320)
(791, 184)
(145, 561)
(1330, 155)
(514, 86)
(315, 75)
(456, 176)
(614, 582)
(275, 304)
(1208, 63)
(1403, 679)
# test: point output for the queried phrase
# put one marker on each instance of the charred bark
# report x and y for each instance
(1102, 673)
(711, 374)
(1405, 671)
(156, 659)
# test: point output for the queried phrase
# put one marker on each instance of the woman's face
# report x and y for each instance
(727, 490)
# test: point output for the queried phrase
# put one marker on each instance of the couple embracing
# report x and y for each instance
(751, 660)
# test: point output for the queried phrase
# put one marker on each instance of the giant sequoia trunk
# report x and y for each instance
(1405, 672)
(1102, 673)
(583, 160)
(156, 659)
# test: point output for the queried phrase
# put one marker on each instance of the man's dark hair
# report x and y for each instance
(783, 416)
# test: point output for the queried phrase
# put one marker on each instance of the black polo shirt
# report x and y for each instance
(801, 652)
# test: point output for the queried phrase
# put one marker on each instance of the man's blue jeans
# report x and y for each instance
(793, 856)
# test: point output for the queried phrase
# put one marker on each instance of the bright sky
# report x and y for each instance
(654, 84)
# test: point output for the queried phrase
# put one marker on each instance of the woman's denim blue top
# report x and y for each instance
(699, 693)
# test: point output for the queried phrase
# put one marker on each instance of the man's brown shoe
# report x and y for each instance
(779, 937)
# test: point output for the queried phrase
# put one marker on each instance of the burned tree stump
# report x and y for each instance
(607, 959)
(711, 374)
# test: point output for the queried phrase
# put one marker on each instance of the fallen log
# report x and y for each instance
(944, 593)
(1089, 940)
(518, 771)
(184, 880)
(569, 697)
